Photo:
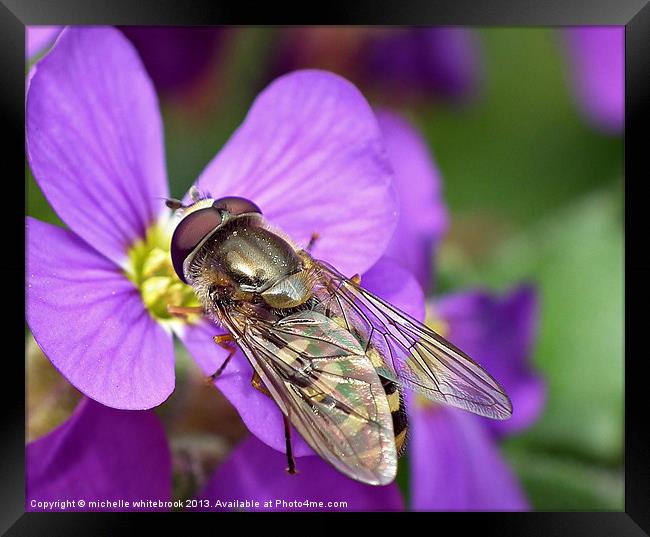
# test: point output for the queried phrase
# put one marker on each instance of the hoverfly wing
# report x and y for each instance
(322, 381)
(414, 355)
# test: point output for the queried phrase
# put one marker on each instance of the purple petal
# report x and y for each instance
(39, 38)
(423, 216)
(310, 155)
(455, 465)
(499, 333)
(597, 56)
(91, 323)
(175, 56)
(261, 415)
(390, 281)
(257, 473)
(429, 61)
(100, 454)
(95, 140)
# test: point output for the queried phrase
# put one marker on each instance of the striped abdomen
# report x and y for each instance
(395, 403)
(398, 412)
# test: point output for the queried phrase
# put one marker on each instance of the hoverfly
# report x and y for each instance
(333, 356)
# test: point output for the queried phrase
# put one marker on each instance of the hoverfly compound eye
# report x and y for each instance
(236, 205)
(189, 233)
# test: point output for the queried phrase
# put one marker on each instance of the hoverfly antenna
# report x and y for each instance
(174, 204)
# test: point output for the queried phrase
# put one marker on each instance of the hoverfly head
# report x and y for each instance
(199, 220)
(195, 226)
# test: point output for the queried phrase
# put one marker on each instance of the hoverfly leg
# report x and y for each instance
(258, 384)
(312, 241)
(287, 436)
(223, 341)
(184, 311)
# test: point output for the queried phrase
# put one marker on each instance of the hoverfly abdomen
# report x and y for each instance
(395, 403)
(398, 413)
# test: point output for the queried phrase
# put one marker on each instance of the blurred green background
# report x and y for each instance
(533, 192)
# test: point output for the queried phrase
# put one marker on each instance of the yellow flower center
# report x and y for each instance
(150, 269)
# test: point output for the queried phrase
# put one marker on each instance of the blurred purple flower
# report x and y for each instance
(423, 215)
(597, 69)
(177, 58)
(435, 61)
(469, 472)
(456, 466)
(393, 63)
(256, 473)
(100, 454)
(309, 153)
(454, 456)
(499, 332)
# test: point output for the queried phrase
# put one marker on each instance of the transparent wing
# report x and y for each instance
(322, 381)
(413, 355)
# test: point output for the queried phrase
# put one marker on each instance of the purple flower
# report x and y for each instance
(99, 455)
(309, 153)
(456, 466)
(454, 456)
(423, 216)
(499, 332)
(597, 63)
(469, 473)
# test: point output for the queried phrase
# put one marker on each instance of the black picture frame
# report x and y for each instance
(634, 14)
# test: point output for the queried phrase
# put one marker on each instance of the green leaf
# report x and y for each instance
(564, 484)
